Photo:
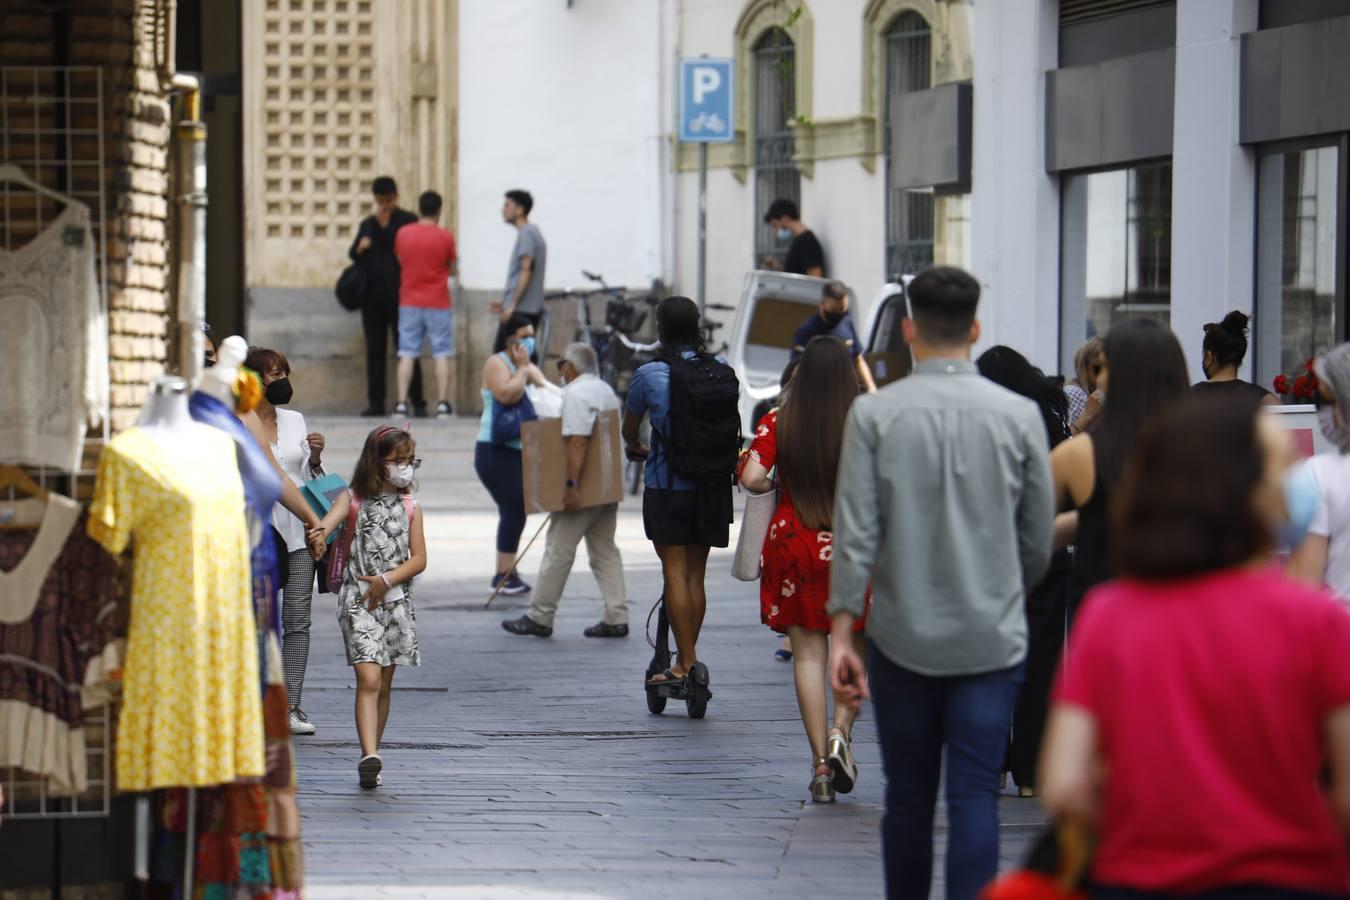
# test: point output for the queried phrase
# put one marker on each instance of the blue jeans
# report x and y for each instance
(917, 716)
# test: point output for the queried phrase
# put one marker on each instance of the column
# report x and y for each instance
(1213, 176)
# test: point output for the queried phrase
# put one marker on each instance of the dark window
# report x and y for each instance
(776, 173)
(909, 212)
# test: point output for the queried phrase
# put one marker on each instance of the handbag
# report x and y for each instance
(506, 419)
(321, 493)
(759, 510)
(351, 287)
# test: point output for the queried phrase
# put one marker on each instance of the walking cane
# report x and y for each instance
(498, 589)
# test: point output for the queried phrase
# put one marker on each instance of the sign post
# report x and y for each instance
(705, 118)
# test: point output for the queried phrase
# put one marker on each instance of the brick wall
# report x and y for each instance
(118, 36)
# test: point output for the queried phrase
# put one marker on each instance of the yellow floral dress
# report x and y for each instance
(191, 712)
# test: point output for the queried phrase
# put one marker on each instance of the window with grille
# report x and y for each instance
(776, 174)
(910, 214)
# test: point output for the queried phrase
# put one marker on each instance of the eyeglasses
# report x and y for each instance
(415, 462)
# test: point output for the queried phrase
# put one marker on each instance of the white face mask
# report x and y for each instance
(399, 476)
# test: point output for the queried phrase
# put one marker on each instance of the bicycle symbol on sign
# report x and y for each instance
(711, 121)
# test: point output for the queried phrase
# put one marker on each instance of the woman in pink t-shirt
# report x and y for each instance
(1204, 694)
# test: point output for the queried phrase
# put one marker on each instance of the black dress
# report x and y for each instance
(1235, 388)
(1092, 547)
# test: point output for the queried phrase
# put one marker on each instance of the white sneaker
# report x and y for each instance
(300, 724)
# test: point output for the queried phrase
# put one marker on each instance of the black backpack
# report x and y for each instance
(705, 418)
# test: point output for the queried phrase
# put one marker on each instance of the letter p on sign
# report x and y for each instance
(706, 80)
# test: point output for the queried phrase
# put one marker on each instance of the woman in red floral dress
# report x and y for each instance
(802, 441)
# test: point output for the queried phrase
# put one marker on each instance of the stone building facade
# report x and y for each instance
(336, 92)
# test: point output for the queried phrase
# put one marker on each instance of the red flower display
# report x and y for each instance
(1302, 387)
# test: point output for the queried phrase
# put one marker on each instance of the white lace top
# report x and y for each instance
(53, 345)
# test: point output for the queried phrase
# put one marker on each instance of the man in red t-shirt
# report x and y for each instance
(426, 258)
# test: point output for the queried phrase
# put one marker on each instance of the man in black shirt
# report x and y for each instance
(805, 256)
(374, 248)
(832, 320)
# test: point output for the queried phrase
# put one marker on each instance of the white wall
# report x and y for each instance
(843, 203)
(1014, 203)
(568, 104)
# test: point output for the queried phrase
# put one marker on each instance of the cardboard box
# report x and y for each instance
(543, 453)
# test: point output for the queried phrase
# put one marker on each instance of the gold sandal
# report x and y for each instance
(822, 786)
(840, 757)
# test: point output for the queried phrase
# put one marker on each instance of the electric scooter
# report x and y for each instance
(692, 689)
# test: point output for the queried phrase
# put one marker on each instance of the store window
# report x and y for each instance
(1296, 266)
(909, 212)
(1116, 253)
(776, 173)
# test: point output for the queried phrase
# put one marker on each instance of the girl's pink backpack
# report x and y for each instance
(342, 547)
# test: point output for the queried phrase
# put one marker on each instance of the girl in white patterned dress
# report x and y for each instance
(375, 608)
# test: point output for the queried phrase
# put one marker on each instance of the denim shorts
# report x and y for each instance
(416, 323)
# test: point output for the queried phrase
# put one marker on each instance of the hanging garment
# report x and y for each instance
(191, 711)
(53, 346)
(61, 621)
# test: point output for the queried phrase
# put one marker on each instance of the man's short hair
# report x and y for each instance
(582, 357)
(783, 207)
(429, 204)
(384, 186)
(834, 290)
(522, 199)
(943, 301)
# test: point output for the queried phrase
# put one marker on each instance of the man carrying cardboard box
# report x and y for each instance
(585, 397)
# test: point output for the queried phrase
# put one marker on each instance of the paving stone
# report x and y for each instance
(526, 768)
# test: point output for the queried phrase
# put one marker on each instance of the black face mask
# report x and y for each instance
(208, 362)
(279, 392)
(833, 319)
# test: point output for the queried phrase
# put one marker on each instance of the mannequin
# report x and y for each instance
(218, 381)
(165, 413)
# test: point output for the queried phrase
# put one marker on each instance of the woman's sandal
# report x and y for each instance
(840, 758)
(822, 787)
(666, 677)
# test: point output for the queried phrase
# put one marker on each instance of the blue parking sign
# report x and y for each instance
(705, 100)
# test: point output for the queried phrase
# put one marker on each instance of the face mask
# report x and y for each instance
(1332, 429)
(399, 476)
(784, 234)
(528, 344)
(1301, 500)
(833, 319)
(208, 363)
(279, 392)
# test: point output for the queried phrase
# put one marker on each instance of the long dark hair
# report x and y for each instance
(1146, 378)
(1185, 505)
(368, 479)
(811, 429)
(677, 325)
(1006, 367)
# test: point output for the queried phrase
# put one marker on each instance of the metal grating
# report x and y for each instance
(52, 125)
(910, 214)
(1074, 12)
(776, 173)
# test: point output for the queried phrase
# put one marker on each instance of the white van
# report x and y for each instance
(775, 304)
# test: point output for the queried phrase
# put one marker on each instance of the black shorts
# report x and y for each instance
(700, 517)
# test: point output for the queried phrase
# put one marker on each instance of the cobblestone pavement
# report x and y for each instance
(524, 768)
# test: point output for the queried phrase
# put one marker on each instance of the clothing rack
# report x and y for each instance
(52, 122)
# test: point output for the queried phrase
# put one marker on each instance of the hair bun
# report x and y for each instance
(1236, 322)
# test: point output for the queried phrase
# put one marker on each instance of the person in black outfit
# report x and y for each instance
(1143, 375)
(374, 248)
(805, 256)
(1224, 349)
(1047, 603)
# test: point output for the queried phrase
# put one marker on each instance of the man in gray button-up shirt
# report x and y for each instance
(944, 506)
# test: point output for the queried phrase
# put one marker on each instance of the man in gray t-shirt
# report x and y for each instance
(524, 294)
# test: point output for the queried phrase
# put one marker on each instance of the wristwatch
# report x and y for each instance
(571, 482)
